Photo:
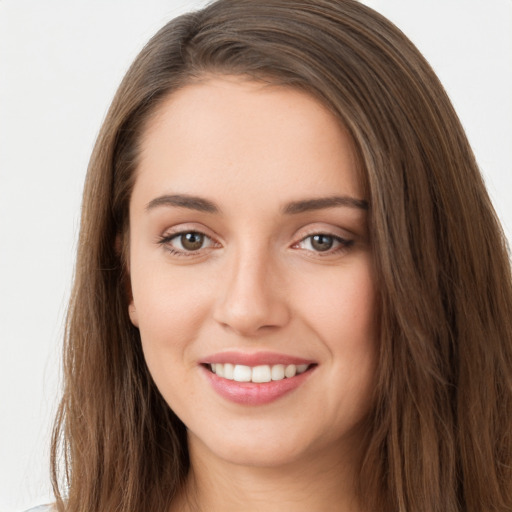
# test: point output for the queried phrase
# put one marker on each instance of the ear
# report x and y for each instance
(132, 311)
(121, 251)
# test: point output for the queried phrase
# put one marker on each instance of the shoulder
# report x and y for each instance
(40, 508)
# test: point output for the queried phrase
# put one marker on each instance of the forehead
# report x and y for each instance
(227, 133)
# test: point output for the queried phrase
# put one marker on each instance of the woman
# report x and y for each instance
(292, 291)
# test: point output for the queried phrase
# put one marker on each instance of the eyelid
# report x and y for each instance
(344, 241)
(188, 227)
(170, 234)
(323, 229)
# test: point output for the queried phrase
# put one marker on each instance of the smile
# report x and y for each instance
(263, 378)
(257, 374)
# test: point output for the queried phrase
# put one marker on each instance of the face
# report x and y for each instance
(251, 272)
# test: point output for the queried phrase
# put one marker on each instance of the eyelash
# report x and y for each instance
(343, 243)
(166, 240)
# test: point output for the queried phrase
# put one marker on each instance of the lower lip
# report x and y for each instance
(250, 393)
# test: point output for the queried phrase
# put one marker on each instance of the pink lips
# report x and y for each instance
(250, 393)
(255, 359)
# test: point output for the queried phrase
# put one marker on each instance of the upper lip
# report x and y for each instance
(254, 359)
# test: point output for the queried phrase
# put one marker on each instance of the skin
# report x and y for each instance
(256, 284)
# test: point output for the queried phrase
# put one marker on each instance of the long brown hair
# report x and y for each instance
(440, 435)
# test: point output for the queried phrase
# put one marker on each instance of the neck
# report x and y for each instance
(322, 482)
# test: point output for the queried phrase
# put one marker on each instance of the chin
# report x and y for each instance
(271, 454)
(266, 446)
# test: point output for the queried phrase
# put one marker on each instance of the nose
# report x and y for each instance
(252, 297)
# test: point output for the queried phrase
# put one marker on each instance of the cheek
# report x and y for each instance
(170, 307)
(343, 314)
(343, 307)
(170, 315)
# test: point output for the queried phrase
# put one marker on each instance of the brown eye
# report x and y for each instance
(187, 243)
(322, 242)
(191, 241)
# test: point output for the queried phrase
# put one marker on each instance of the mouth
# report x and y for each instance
(257, 374)
(257, 379)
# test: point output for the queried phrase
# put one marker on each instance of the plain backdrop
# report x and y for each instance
(60, 64)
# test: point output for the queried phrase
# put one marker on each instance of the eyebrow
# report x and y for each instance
(324, 202)
(184, 201)
(294, 207)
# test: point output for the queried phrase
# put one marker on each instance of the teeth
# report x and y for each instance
(262, 373)
(228, 371)
(240, 373)
(277, 372)
(290, 371)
